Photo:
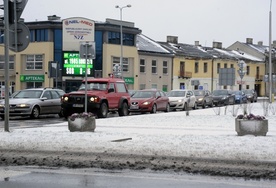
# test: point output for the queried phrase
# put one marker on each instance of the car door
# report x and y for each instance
(56, 104)
(46, 104)
(159, 100)
(112, 95)
(191, 98)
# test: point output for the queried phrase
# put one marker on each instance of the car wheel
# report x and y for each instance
(103, 111)
(124, 110)
(35, 112)
(204, 104)
(60, 114)
(167, 108)
(153, 110)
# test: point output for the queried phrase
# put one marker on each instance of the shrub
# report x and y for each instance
(250, 117)
(83, 115)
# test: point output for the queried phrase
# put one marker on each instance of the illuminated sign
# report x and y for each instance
(72, 65)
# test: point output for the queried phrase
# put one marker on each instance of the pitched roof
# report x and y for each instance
(145, 44)
(186, 50)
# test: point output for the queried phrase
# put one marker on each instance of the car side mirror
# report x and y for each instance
(110, 90)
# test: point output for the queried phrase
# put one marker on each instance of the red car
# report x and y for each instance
(149, 100)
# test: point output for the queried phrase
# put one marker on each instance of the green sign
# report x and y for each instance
(129, 80)
(31, 78)
(73, 65)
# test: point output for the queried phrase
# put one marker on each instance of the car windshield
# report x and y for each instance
(94, 86)
(220, 92)
(248, 91)
(176, 94)
(142, 94)
(28, 94)
(199, 93)
(238, 93)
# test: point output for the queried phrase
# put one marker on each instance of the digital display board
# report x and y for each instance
(72, 65)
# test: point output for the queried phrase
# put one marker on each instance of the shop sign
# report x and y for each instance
(32, 78)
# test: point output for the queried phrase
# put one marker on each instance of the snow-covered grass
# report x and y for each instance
(202, 134)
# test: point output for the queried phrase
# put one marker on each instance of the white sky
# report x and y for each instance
(202, 134)
(225, 21)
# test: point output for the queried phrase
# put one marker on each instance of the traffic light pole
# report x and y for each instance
(6, 38)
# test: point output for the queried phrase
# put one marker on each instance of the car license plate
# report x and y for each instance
(134, 107)
(78, 105)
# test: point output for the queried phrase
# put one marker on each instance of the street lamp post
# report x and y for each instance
(121, 36)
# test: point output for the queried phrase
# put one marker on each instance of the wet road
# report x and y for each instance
(25, 177)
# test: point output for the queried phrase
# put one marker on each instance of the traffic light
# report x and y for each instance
(16, 8)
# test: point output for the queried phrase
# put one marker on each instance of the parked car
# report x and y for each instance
(34, 102)
(149, 100)
(251, 95)
(240, 97)
(131, 92)
(203, 98)
(104, 95)
(182, 99)
(223, 97)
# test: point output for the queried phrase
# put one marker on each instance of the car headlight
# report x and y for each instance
(2, 105)
(65, 99)
(146, 103)
(23, 105)
(94, 99)
(180, 100)
(200, 99)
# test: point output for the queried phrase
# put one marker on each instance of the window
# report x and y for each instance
(232, 65)
(218, 67)
(34, 84)
(182, 69)
(153, 67)
(114, 38)
(2, 62)
(247, 70)
(154, 86)
(121, 88)
(165, 88)
(116, 61)
(142, 66)
(39, 35)
(225, 65)
(196, 67)
(142, 86)
(205, 68)
(165, 67)
(34, 62)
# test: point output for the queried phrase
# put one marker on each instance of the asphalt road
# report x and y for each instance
(32, 176)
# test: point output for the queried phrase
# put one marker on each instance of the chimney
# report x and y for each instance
(260, 43)
(172, 39)
(217, 45)
(249, 41)
(197, 43)
(53, 17)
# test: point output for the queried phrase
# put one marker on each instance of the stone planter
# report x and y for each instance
(251, 127)
(82, 124)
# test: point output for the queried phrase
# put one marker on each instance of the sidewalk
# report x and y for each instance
(203, 135)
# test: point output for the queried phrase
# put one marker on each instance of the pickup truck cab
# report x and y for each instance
(103, 95)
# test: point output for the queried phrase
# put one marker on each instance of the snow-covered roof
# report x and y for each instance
(146, 44)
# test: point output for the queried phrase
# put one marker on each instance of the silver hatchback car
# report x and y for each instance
(34, 102)
(182, 99)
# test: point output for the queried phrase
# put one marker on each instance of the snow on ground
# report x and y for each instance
(202, 134)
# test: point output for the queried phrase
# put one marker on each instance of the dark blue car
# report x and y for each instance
(240, 97)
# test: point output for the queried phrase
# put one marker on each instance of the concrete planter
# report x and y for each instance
(82, 124)
(251, 127)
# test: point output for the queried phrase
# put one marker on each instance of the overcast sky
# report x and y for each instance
(225, 21)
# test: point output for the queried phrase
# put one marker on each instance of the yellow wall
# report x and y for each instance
(44, 48)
